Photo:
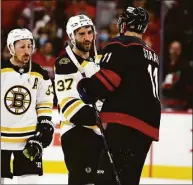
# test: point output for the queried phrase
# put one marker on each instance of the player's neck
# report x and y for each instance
(82, 54)
(16, 62)
(134, 34)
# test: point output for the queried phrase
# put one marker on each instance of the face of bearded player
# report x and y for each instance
(23, 51)
(84, 38)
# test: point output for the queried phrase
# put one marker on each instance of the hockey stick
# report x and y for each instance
(99, 123)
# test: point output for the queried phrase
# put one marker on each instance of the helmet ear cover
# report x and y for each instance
(133, 19)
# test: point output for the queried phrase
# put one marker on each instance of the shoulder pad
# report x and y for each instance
(64, 65)
(39, 69)
(5, 64)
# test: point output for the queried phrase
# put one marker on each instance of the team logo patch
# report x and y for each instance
(17, 100)
(64, 61)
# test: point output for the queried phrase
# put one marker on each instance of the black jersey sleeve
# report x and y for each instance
(112, 70)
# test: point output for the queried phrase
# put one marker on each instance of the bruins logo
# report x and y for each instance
(17, 100)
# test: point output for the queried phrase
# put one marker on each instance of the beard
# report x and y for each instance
(23, 60)
(85, 46)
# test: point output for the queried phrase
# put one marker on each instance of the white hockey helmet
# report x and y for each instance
(76, 22)
(19, 34)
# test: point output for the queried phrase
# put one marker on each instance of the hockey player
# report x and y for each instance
(26, 109)
(80, 138)
(128, 81)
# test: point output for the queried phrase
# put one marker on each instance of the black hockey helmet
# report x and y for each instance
(133, 19)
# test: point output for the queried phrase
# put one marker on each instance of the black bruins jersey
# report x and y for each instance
(25, 95)
(128, 81)
(73, 111)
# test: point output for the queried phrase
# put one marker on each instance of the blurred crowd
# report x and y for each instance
(171, 37)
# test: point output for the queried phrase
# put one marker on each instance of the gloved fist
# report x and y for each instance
(86, 98)
(33, 148)
(45, 131)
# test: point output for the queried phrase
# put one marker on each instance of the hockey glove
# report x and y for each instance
(45, 131)
(33, 148)
(86, 98)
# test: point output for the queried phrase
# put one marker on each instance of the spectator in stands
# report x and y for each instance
(81, 7)
(5, 54)
(152, 35)
(44, 57)
(103, 37)
(139, 3)
(178, 83)
(113, 29)
(21, 22)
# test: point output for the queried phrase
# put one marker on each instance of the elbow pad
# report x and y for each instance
(85, 116)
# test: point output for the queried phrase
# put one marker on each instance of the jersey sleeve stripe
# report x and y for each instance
(14, 140)
(64, 123)
(44, 112)
(104, 82)
(50, 105)
(64, 101)
(73, 109)
(112, 77)
(18, 134)
(67, 104)
(22, 129)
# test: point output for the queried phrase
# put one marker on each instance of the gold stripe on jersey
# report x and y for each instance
(21, 129)
(44, 104)
(36, 74)
(64, 101)
(8, 69)
(13, 140)
(44, 112)
(69, 123)
(84, 63)
(64, 123)
(99, 56)
(73, 109)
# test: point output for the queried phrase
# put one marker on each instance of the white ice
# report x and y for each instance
(62, 179)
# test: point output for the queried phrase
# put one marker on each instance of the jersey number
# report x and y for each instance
(154, 80)
(106, 57)
(50, 90)
(64, 84)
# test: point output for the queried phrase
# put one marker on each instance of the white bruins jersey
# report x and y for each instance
(67, 77)
(24, 97)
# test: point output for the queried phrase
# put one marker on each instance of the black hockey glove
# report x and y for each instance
(33, 148)
(45, 131)
(84, 95)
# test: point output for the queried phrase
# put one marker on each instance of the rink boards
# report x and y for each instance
(171, 157)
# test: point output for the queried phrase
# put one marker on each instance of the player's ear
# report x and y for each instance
(12, 48)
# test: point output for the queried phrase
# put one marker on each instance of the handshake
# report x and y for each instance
(34, 146)
(83, 92)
